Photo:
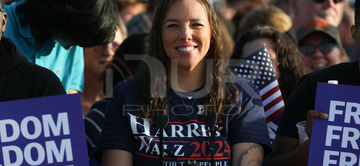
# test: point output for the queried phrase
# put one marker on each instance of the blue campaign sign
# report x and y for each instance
(43, 131)
(335, 141)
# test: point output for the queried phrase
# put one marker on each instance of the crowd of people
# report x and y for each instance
(155, 76)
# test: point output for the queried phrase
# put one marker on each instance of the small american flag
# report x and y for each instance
(258, 69)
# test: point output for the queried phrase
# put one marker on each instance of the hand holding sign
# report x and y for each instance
(310, 119)
(335, 139)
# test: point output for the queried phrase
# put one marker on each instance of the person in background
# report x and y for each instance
(50, 33)
(226, 37)
(135, 44)
(185, 36)
(96, 59)
(130, 8)
(302, 11)
(142, 22)
(319, 44)
(20, 79)
(350, 47)
(283, 54)
(287, 149)
(232, 12)
(265, 15)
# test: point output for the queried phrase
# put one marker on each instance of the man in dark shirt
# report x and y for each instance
(287, 149)
(20, 79)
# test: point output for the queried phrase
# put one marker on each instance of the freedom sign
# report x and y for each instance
(335, 141)
(43, 131)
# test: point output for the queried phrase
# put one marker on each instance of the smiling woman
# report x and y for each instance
(186, 36)
(180, 109)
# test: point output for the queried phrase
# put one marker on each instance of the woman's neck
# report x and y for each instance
(93, 87)
(92, 92)
(188, 80)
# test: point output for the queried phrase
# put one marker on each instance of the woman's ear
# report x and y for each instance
(4, 19)
(355, 34)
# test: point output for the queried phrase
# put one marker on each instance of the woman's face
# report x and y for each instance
(186, 33)
(97, 58)
(318, 50)
(252, 46)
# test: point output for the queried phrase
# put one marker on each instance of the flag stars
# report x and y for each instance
(259, 58)
(262, 82)
(269, 78)
(258, 62)
(235, 70)
(254, 57)
(260, 53)
(266, 68)
(247, 66)
(241, 65)
(248, 61)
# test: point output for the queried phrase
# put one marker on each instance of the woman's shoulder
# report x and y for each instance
(125, 89)
(244, 86)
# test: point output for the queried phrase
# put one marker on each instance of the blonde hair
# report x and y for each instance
(266, 15)
(122, 27)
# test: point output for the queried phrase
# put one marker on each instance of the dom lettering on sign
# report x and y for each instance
(48, 150)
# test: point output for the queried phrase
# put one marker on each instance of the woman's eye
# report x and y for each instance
(197, 24)
(172, 26)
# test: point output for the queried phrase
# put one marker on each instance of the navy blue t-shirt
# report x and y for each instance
(186, 134)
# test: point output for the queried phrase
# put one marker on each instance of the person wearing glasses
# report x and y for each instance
(302, 11)
(20, 79)
(96, 59)
(52, 33)
(320, 45)
(287, 149)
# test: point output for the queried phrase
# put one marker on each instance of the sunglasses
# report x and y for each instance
(324, 48)
(321, 1)
(103, 48)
